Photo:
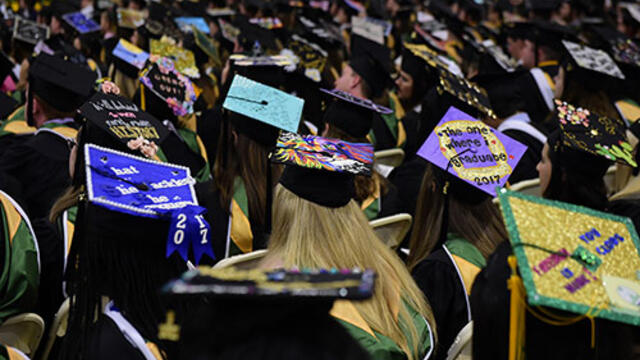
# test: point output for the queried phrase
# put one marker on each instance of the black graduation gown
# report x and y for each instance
(407, 179)
(535, 105)
(439, 281)
(526, 168)
(41, 166)
(391, 202)
(108, 342)
(384, 137)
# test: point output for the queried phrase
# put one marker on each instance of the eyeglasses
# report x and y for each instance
(71, 143)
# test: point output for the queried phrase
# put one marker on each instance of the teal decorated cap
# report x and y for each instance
(260, 111)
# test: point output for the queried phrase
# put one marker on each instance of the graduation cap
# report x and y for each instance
(269, 23)
(260, 111)
(7, 105)
(29, 31)
(207, 45)
(622, 48)
(543, 5)
(365, 103)
(6, 67)
(372, 62)
(122, 120)
(183, 59)
(321, 170)
(468, 150)
(321, 31)
(130, 19)
(432, 58)
(573, 258)
(129, 58)
(465, 91)
(219, 12)
(633, 9)
(137, 186)
(165, 91)
(62, 84)
(369, 29)
(520, 30)
(492, 57)
(228, 31)
(592, 60)
(585, 131)
(310, 56)
(81, 23)
(280, 284)
(186, 23)
(265, 60)
(256, 37)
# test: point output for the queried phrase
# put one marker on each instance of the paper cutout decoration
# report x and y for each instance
(433, 59)
(366, 103)
(593, 59)
(280, 284)
(130, 54)
(130, 19)
(472, 151)
(565, 252)
(166, 82)
(323, 30)
(185, 24)
(183, 59)
(368, 29)
(268, 60)
(598, 135)
(123, 119)
(81, 23)
(316, 152)
(269, 23)
(228, 31)
(207, 45)
(264, 103)
(490, 48)
(29, 31)
(138, 186)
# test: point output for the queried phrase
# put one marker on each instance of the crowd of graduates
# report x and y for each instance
(145, 145)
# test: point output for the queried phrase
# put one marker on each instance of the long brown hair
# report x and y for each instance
(479, 224)
(247, 159)
(313, 236)
(365, 186)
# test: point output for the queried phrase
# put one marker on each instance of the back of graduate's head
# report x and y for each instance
(576, 177)
(316, 224)
(121, 257)
(234, 330)
(469, 213)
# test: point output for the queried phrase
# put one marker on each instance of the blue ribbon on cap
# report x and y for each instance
(189, 229)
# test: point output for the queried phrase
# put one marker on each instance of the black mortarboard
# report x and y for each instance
(592, 68)
(113, 121)
(622, 48)
(504, 92)
(550, 34)
(266, 313)
(596, 135)
(423, 76)
(321, 170)
(543, 5)
(256, 37)
(6, 67)
(312, 59)
(29, 31)
(62, 84)
(520, 30)
(372, 62)
(351, 114)
(129, 58)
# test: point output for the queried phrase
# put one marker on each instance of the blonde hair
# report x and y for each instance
(308, 235)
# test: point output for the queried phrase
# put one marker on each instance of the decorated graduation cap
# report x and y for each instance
(372, 62)
(573, 258)
(29, 31)
(137, 186)
(260, 111)
(269, 23)
(320, 169)
(473, 155)
(206, 45)
(587, 132)
(186, 23)
(622, 48)
(130, 19)
(309, 57)
(351, 114)
(592, 62)
(370, 28)
(129, 58)
(81, 23)
(464, 91)
(62, 84)
(266, 312)
(183, 59)
(165, 92)
(121, 121)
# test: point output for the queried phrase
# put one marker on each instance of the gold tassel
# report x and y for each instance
(516, 313)
(142, 100)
